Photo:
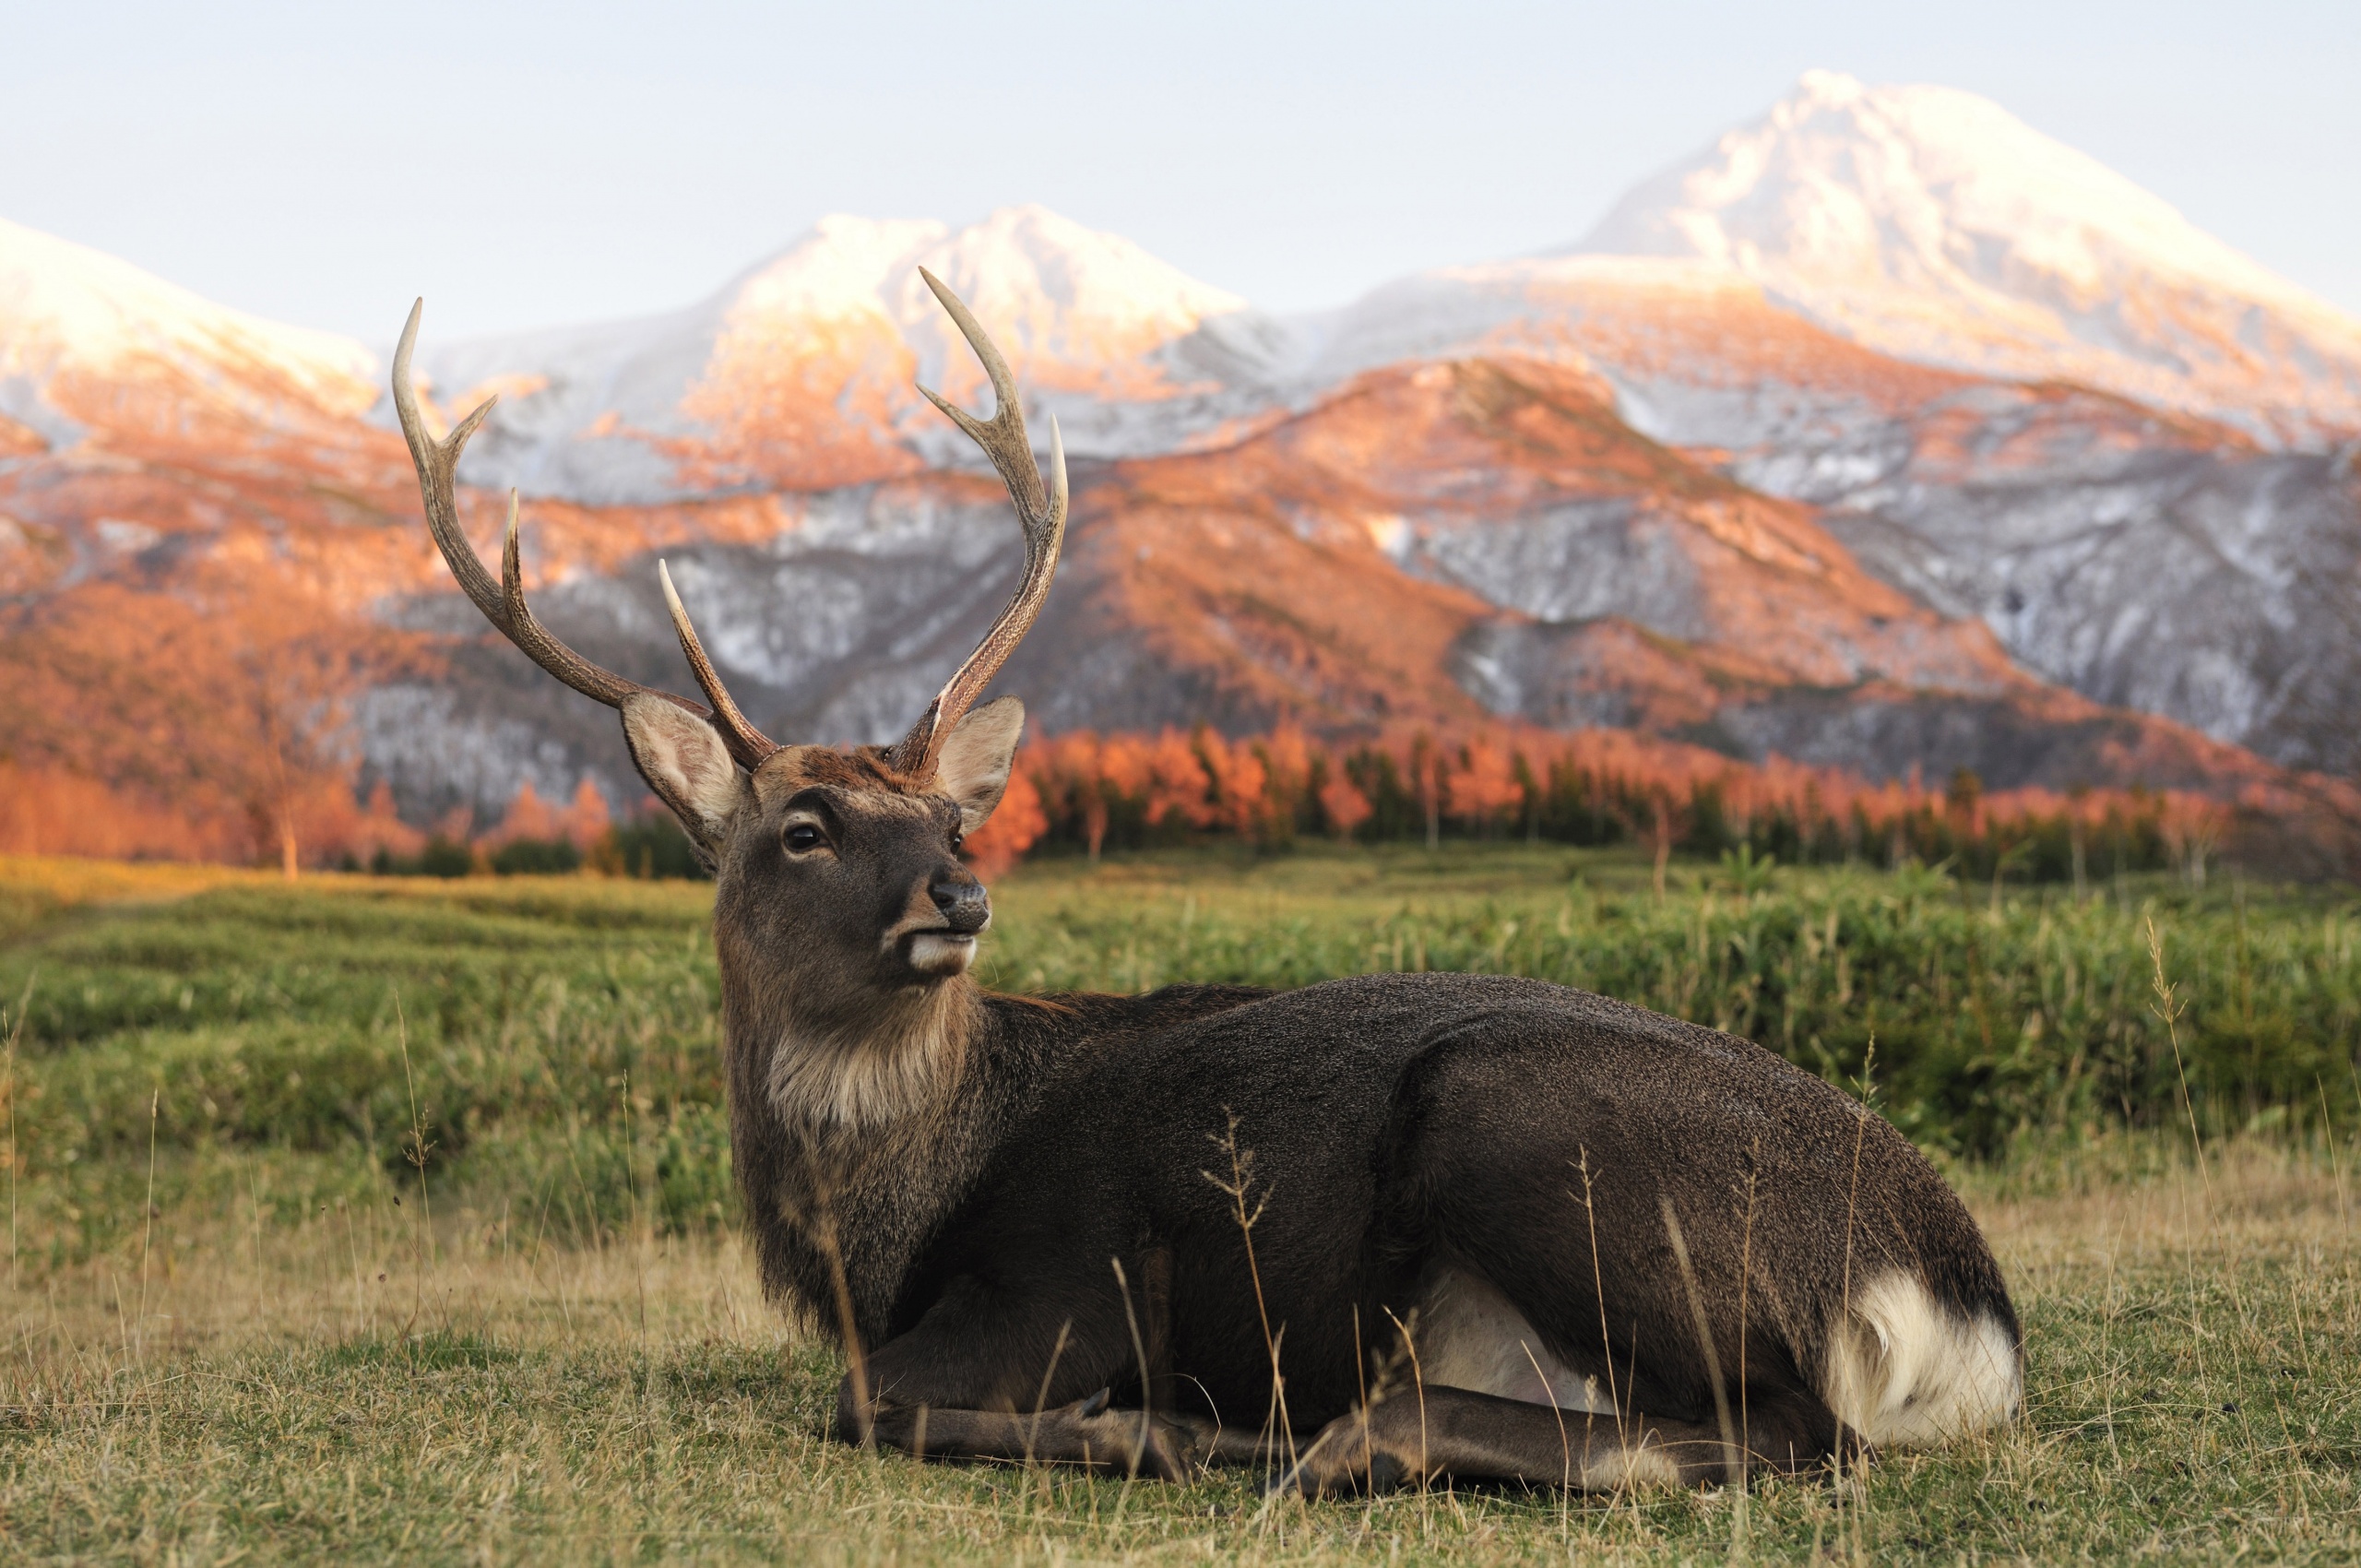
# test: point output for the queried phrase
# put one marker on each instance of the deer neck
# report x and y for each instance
(847, 1071)
(854, 1135)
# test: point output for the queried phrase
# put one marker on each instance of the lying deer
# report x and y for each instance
(1505, 1229)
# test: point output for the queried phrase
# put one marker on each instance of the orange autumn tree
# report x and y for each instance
(224, 713)
(1240, 799)
(581, 823)
(1343, 804)
(1070, 773)
(296, 665)
(1014, 827)
(2191, 827)
(1426, 767)
(1177, 784)
(1484, 787)
(1292, 763)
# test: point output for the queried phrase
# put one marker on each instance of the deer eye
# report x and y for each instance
(957, 839)
(803, 837)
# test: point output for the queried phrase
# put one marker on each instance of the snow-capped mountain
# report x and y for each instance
(1933, 225)
(78, 328)
(799, 372)
(1925, 223)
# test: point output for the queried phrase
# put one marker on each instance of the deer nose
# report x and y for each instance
(964, 905)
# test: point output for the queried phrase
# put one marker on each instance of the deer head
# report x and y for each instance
(844, 919)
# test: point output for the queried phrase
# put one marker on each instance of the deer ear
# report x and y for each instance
(977, 756)
(684, 762)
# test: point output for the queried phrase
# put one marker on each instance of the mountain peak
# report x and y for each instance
(1028, 271)
(1932, 223)
(798, 372)
(1053, 291)
(838, 266)
(1818, 86)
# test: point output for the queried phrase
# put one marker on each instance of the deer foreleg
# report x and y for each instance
(989, 1374)
(1089, 1434)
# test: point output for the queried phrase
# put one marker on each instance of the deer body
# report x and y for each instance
(1421, 1152)
(1375, 1229)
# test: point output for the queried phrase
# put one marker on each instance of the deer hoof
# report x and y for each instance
(1342, 1460)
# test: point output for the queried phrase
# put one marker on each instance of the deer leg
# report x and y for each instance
(1419, 1434)
(1091, 1433)
(988, 1375)
(1088, 1434)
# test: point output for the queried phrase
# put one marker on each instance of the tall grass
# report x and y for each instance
(1997, 1012)
(561, 1035)
(563, 1045)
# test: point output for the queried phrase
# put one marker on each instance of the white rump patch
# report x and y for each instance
(1471, 1336)
(1905, 1373)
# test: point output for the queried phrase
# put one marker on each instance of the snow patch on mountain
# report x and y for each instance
(70, 312)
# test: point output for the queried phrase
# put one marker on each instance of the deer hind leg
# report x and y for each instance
(1491, 1400)
(1423, 1433)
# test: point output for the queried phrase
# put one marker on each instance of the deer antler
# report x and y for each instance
(1043, 517)
(503, 602)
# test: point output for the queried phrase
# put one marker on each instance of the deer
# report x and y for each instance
(1367, 1233)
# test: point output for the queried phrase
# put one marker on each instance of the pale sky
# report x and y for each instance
(322, 163)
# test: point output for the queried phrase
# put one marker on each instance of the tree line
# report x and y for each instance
(1088, 793)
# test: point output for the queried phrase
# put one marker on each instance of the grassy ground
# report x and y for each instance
(243, 1323)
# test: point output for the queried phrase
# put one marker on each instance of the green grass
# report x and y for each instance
(242, 1327)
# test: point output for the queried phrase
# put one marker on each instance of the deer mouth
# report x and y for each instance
(943, 953)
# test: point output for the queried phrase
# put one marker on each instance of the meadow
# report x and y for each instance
(390, 1218)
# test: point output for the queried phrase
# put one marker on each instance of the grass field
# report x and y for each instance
(389, 1219)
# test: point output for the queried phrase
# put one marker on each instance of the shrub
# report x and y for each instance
(536, 856)
(651, 848)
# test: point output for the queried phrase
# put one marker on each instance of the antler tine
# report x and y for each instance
(748, 745)
(1001, 436)
(1043, 517)
(437, 464)
(503, 602)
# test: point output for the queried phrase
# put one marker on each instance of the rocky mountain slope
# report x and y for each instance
(1449, 543)
(2144, 559)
